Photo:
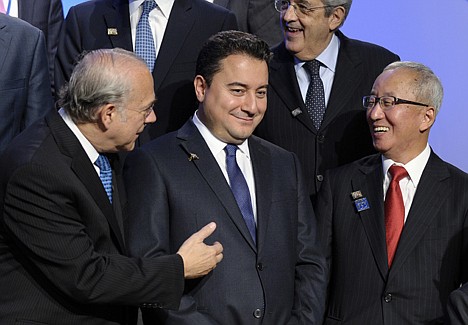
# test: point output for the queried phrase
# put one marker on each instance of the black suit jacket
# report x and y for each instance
(457, 306)
(430, 260)
(281, 280)
(24, 79)
(190, 24)
(61, 244)
(344, 135)
(258, 17)
(47, 15)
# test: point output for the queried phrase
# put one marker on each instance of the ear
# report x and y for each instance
(106, 114)
(200, 87)
(336, 18)
(428, 119)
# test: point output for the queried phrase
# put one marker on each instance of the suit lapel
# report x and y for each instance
(193, 143)
(283, 80)
(432, 189)
(5, 39)
(347, 77)
(178, 27)
(372, 219)
(261, 163)
(118, 25)
(84, 170)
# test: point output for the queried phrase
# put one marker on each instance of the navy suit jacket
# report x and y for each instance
(344, 135)
(47, 15)
(431, 257)
(24, 79)
(61, 241)
(281, 280)
(257, 17)
(190, 24)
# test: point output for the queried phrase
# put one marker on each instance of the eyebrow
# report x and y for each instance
(240, 84)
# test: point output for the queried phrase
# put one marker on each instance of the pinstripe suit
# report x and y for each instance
(344, 134)
(61, 242)
(430, 260)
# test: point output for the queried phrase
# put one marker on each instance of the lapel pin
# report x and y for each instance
(296, 112)
(112, 31)
(356, 195)
(193, 156)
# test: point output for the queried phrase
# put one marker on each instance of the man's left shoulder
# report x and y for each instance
(364, 48)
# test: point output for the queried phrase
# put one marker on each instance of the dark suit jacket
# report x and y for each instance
(61, 242)
(430, 260)
(190, 24)
(344, 135)
(47, 15)
(24, 79)
(258, 17)
(281, 279)
(457, 306)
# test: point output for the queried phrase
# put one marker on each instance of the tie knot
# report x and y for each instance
(312, 67)
(103, 163)
(397, 173)
(148, 5)
(231, 150)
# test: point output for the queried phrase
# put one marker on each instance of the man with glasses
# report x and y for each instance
(395, 224)
(317, 114)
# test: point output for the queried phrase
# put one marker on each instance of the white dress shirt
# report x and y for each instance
(409, 184)
(242, 156)
(11, 7)
(158, 19)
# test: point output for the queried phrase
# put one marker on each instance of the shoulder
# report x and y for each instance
(92, 6)
(364, 49)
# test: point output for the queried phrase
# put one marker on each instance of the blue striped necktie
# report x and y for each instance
(240, 189)
(144, 41)
(105, 174)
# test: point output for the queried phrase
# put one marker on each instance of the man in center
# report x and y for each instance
(272, 272)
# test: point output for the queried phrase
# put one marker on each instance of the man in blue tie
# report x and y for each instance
(62, 250)
(214, 169)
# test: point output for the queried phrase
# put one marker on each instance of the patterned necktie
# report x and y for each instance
(105, 174)
(394, 211)
(144, 42)
(2, 7)
(240, 189)
(315, 97)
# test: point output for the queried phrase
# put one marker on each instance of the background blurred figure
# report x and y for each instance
(61, 237)
(47, 15)
(257, 17)
(317, 114)
(24, 79)
(272, 272)
(395, 224)
(178, 30)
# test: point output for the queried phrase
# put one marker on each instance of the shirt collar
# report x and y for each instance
(329, 56)
(414, 168)
(164, 5)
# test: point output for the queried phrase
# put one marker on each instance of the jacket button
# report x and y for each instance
(257, 313)
(260, 266)
(320, 178)
(321, 138)
(388, 297)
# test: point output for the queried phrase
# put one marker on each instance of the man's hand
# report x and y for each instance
(199, 258)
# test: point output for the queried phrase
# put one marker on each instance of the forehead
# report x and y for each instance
(394, 81)
(243, 66)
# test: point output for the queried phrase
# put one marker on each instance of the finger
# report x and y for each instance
(218, 247)
(219, 258)
(205, 231)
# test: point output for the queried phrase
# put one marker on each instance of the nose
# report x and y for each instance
(250, 102)
(290, 13)
(375, 113)
(151, 118)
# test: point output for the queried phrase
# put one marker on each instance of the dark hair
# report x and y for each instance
(226, 43)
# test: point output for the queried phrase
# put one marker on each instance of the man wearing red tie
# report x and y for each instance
(393, 223)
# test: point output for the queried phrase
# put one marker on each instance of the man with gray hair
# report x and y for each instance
(62, 248)
(394, 225)
(317, 79)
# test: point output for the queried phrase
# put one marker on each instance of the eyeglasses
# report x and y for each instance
(386, 102)
(146, 112)
(283, 5)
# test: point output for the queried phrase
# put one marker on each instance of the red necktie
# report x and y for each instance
(394, 211)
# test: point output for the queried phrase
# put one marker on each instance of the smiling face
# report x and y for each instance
(307, 35)
(235, 102)
(399, 133)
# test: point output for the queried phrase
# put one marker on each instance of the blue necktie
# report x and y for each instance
(315, 97)
(105, 174)
(240, 189)
(144, 42)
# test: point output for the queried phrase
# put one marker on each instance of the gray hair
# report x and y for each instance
(332, 4)
(427, 87)
(100, 78)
